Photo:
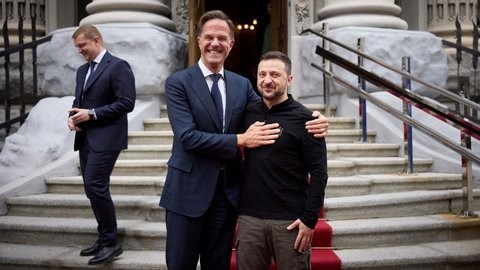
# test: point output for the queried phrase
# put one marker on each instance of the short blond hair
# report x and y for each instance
(89, 31)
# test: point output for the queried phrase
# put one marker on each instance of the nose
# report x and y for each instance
(267, 80)
(215, 42)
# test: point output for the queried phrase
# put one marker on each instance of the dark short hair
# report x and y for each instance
(89, 31)
(215, 14)
(280, 56)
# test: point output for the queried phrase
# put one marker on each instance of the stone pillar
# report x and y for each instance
(368, 13)
(13, 10)
(125, 11)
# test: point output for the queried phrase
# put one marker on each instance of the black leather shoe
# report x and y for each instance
(91, 251)
(106, 254)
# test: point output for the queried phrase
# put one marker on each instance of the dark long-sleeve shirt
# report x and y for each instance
(276, 181)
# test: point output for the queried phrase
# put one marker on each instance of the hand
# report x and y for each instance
(77, 116)
(72, 126)
(304, 237)
(319, 127)
(259, 134)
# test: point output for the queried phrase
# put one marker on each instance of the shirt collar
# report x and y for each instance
(99, 57)
(206, 72)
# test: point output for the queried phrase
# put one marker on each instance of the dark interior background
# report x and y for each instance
(246, 51)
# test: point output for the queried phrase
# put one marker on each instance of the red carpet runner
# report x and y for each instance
(323, 256)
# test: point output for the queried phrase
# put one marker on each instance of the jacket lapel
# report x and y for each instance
(98, 71)
(231, 90)
(200, 88)
(82, 73)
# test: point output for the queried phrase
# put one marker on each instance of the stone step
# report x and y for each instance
(155, 124)
(128, 185)
(150, 137)
(341, 123)
(166, 137)
(357, 233)
(346, 166)
(140, 167)
(338, 167)
(49, 257)
(156, 151)
(349, 136)
(80, 232)
(144, 235)
(387, 183)
(398, 204)
(334, 150)
(313, 107)
(337, 150)
(336, 187)
(451, 255)
(78, 206)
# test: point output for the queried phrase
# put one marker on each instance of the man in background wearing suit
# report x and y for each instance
(202, 187)
(104, 94)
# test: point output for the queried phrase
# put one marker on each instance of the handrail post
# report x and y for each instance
(362, 104)
(407, 110)
(467, 181)
(467, 172)
(326, 79)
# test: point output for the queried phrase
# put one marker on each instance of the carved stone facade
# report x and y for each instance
(303, 14)
(180, 16)
(441, 16)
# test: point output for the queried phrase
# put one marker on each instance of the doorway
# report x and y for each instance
(252, 19)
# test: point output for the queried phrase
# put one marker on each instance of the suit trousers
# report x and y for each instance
(96, 169)
(209, 236)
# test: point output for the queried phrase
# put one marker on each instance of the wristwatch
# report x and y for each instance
(91, 114)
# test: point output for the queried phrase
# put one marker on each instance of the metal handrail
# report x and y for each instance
(408, 119)
(468, 127)
(442, 113)
(440, 90)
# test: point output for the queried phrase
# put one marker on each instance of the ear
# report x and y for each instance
(289, 79)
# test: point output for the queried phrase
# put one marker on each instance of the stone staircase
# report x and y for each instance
(381, 217)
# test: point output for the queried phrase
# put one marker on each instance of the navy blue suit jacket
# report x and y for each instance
(111, 92)
(199, 148)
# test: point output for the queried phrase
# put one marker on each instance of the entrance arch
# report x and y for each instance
(243, 58)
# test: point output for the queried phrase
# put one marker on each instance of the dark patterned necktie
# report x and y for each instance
(217, 97)
(87, 79)
(92, 69)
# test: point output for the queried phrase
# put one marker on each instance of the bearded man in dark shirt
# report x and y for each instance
(284, 183)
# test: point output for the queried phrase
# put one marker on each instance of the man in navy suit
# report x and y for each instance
(202, 187)
(104, 94)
